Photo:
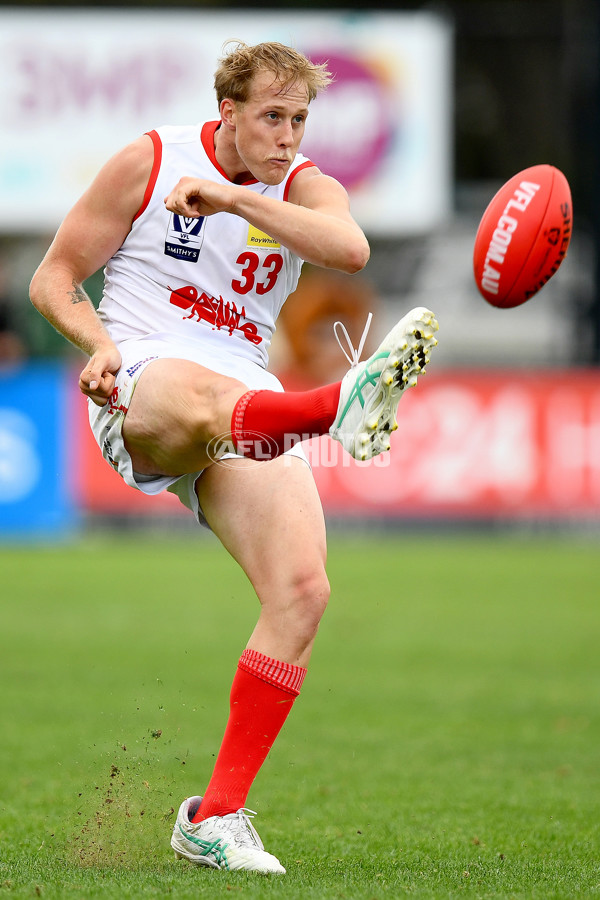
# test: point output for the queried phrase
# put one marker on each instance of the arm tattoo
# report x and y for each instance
(77, 295)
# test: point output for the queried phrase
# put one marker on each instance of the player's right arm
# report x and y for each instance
(91, 233)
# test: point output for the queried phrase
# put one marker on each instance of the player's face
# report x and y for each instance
(270, 126)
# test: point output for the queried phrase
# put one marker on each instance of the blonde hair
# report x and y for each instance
(238, 67)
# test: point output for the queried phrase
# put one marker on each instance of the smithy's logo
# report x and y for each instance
(184, 238)
(217, 313)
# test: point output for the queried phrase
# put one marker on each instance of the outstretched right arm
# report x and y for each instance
(91, 233)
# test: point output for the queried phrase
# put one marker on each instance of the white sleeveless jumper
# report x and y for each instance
(217, 281)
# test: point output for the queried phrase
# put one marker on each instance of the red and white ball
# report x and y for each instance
(523, 236)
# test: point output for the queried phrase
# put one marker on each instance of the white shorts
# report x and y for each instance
(107, 421)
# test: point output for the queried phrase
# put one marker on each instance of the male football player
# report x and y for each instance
(177, 374)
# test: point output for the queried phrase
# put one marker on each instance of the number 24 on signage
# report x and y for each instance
(269, 270)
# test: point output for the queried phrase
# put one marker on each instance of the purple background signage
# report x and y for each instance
(100, 78)
(355, 119)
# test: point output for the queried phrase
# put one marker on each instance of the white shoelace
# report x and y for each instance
(354, 356)
(243, 829)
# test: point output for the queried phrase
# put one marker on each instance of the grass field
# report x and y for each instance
(446, 743)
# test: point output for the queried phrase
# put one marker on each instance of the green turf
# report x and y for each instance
(446, 743)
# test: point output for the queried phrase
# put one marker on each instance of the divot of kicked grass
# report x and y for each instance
(122, 812)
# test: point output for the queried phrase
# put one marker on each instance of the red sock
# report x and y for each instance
(262, 695)
(266, 423)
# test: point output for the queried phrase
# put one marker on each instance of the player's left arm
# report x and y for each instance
(316, 223)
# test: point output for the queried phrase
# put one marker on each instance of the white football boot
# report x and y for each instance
(222, 842)
(371, 390)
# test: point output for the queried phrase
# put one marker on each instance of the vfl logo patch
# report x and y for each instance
(184, 237)
(258, 238)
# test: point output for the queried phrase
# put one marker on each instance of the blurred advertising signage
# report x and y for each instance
(482, 444)
(94, 80)
(35, 491)
(474, 445)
